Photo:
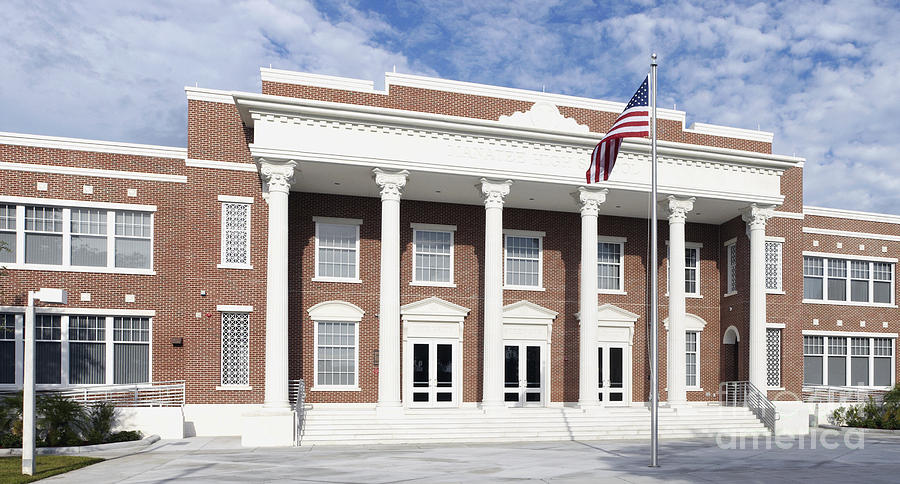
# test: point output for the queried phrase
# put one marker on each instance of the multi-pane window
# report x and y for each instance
(337, 251)
(692, 358)
(773, 357)
(7, 233)
(89, 241)
(336, 354)
(235, 348)
(48, 349)
(7, 348)
(236, 234)
(773, 266)
(89, 238)
(838, 360)
(731, 275)
(133, 240)
(87, 350)
(43, 235)
(852, 281)
(692, 270)
(523, 261)
(609, 266)
(131, 348)
(433, 256)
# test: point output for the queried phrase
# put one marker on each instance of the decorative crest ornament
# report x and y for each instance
(391, 183)
(494, 192)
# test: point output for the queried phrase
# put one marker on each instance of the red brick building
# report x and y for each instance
(421, 246)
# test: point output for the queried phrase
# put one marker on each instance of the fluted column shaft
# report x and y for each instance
(588, 377)
(756, 217)
(675, 348)
(493, 192)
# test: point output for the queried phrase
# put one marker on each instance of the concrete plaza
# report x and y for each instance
(823, 458)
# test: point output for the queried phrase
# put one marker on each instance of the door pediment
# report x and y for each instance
(433, 317)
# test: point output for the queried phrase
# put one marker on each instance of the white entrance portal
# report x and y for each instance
(432, 353)
(526, 343)
(615, 338)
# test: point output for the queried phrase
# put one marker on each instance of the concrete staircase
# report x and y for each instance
(333, 426)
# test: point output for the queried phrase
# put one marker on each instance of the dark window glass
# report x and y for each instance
(812, 370)
(444, 366)
(420, 366)
(533, 366)
(511, 371)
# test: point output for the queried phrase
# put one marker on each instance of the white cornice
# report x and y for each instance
(220, 165)
(209, 95)
(38, 141)
(95, 172)
(794, 215)
(319, 80)
(729, 132)
(846, 233)
(851, 214)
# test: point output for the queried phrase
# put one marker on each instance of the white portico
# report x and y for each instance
(534, 159)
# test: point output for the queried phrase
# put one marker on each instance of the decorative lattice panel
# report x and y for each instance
(237, 231)
(732, 268)
(235, 349)
(773, 357)
(773, 266)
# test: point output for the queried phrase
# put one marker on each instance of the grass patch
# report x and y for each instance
(47, 465)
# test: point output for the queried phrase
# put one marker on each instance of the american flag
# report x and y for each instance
(634, 122)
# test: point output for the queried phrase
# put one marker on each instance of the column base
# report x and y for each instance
(269, 427)
(389, 410)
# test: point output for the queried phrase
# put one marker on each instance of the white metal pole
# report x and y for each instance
(654, 313)
(28, 391)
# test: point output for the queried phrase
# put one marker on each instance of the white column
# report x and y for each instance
(391, 184)
(277, 177)
(493, 191)
(756, 217)
(588, 377)
(678, 208)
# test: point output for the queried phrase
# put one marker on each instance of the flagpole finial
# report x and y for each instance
(653, 58)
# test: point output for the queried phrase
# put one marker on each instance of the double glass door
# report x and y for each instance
(523, 380)
(434, 380)
(611, 359)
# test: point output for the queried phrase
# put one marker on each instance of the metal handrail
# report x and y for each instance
(745, 394)
(297, 397)
(152, 394)
(839, 394)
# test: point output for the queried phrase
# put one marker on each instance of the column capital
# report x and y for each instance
(391, 183)
(278, 175)
(590, 200)
(494, 192)
(678, 208)
(756, 216)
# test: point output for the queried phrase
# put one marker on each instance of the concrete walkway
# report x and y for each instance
(221, 460)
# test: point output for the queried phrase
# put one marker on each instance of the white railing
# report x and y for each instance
(744, 394)
(836, 394)
(153, 394)
(297, 397)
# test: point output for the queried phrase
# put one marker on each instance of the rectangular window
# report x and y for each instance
(88, 228)
(337, 251)
(773, 357)
(47, 351)
(235, 349)
(609, 266)
(7, 348)
(837, 361)
(87, 350)
(336, 354)
(7, 233)
(236, 234)
(731, 275)
(848, 281)
(692, 359)
(43, 235)
(134, 240)
(859, 361)
(523, 262)
(131, 337)
(773, 266)
(692, 271)
(433, 256)
(883, 362)
(813, 353)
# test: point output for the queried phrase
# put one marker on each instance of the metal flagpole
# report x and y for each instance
(654, 312)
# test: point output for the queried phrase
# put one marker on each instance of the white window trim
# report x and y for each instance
(856, 334)
(224, 308)
(687, 245)
(730, 243)
(698, 372)
(451, 229)
(336, 221)
(780, 289)
(228, 199)
(108, 314)
(826, 256)
(621, 242)
(525, 233)
(334, 388)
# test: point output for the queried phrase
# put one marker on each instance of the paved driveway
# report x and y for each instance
(221, 460)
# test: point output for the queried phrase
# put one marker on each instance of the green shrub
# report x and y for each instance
(100, 418)
(125, 436)
(11, 420)
(60, 420)
(872, 415)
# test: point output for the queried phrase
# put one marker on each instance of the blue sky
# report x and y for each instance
(821, 75)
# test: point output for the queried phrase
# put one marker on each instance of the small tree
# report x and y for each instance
(61, 419)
